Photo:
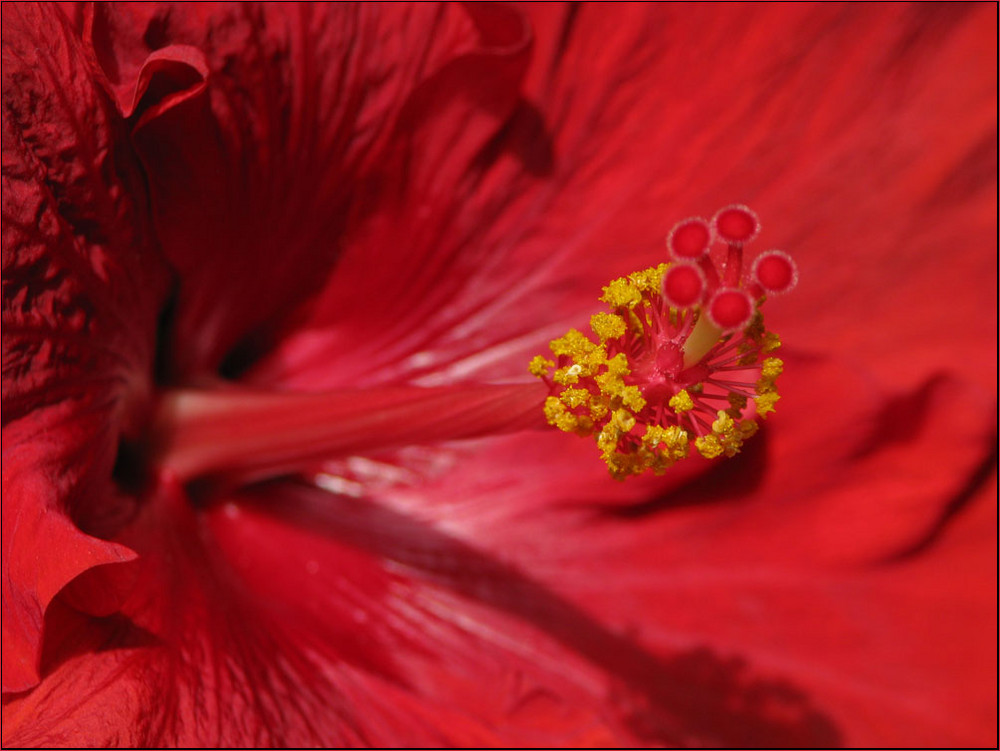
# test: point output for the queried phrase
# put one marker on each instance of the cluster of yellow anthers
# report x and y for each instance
(659, 379)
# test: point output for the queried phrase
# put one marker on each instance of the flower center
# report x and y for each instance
(681, 357)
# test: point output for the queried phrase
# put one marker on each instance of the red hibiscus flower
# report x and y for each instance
(271, 279)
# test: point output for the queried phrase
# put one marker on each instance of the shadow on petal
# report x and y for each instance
(692, 697)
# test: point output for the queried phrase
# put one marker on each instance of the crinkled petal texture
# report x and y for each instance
(835, 584)
(80, 300)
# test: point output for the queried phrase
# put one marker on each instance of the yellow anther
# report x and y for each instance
(568, 375)
(632, 398)
(618, 365)
(568, 423)
(620, 294)
(554, 409)
(729, 433)
(558, 415)
(709, 446)
(595, 360)
(607, 325)
(765, 403)
(599, 408)
(748, 428)
(671, 441)
(771, 368)
(654, 435)
(723, 425)
(572, 344)
(607, 439)
(622, 420)
(771, 342)
(727, 436)
(539, 366)
(610, 384)
(575, 397)
(676, 443)
(681, 402)
(648, 280)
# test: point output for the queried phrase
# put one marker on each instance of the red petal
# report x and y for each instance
(296, 630)
(807, 562)
(271, 160)
(80, 305)
(770, 605)
(43, 551)
(714, 615)
(484, 255)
